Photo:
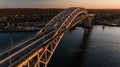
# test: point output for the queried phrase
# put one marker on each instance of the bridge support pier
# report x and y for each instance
(88, 22)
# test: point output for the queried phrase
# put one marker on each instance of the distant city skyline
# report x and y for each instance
(94, 4)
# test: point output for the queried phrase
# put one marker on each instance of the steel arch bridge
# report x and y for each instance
(48, 38)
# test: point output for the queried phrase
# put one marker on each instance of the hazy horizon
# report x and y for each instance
(89, 4)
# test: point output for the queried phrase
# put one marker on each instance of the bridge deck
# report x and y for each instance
(53, 29)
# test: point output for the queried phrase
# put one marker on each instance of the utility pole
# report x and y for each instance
(11, 47)
(44, 37)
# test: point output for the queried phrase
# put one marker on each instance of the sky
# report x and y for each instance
(94, 4)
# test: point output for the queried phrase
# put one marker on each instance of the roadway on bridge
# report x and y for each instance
(22, 49)
(11, 54)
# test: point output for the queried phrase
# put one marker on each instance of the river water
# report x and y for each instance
(96, 47)
(80, 47)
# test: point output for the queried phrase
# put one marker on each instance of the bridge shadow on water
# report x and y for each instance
(70, 56)
(79, 55)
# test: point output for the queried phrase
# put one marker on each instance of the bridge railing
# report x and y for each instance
(54, 30)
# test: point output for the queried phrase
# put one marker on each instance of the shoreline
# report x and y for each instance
(18, 31)
(38, 30)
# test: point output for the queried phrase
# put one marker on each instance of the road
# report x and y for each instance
(23, 48)
(20, 49)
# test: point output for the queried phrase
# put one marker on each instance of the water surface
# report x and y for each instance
(80, 47)
(96, 47)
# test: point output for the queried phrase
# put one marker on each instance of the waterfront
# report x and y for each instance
(96, 47)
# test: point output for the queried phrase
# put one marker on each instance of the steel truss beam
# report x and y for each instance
(42, 56)
(62, 22)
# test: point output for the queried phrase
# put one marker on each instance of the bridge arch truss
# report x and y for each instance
(62, 22)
